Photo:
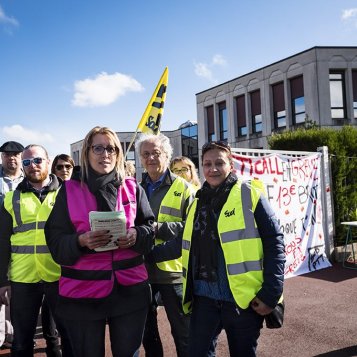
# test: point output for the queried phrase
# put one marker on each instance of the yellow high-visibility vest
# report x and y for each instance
(31, 260)
(240, 242)
(172, 209)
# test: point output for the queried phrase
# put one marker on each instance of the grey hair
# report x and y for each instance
(160, 140)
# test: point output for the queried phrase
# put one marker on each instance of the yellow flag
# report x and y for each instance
(151, 120)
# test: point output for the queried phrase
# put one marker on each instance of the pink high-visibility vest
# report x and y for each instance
(92, 276)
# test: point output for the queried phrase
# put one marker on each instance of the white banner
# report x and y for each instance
(293, 188)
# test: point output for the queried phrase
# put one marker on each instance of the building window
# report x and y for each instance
(190, 143)
(131, 152)
(223, 121)
(256, 109)
(279, 106)
(297, 100)
(354, 86)
(211, 136)
(337, 94)
(75, 157)
(241, 119)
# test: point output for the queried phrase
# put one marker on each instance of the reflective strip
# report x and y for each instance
(184, 272)
(170, 211)
(16, 207)
(29, 249)
(41, 249)
(186, 244)
(248, 209)
(29, 227)
(22, 249)
(245, 267)
(239, 234)
(250, 231)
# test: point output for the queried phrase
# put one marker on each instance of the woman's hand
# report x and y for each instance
(129, 240)
(259, 307)
(94, 239)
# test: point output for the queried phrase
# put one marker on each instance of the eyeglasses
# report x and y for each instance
(99, 149)
(183, 170)
(216, 145)
(155, 154)
(35, 160)
(60, 167)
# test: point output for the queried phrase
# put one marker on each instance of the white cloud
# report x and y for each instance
(205, 70)
(219, 60)
(7, 21)
(350, 15)
(104, 89)
(55, 143)
(202, 70)
(26, 136)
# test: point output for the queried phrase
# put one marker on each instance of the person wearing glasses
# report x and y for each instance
(97, 286)
(232, 254)
(27, 269)
(11, 175)
(62, 166)
(169, 197)
(184, 167)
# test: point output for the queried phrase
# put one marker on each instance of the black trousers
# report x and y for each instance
(25, 304)
(126, 332)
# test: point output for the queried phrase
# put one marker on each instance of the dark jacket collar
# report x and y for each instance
(55, 183)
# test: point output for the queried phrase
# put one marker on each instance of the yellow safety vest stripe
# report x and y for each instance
(31, 260)
(172, 209)
(240, 241)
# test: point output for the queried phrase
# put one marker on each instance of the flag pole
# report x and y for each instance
(151, 119)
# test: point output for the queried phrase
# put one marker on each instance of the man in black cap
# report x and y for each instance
(11, 175)
(11, 169)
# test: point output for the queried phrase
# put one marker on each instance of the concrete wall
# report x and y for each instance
(314, 64)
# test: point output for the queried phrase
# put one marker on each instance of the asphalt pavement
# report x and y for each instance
(320, 320)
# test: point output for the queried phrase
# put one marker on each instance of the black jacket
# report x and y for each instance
(273, 249)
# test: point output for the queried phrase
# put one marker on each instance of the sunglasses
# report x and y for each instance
(99, 149)
(184, 170)
(35, 160)
(60, 167)
(216, 145)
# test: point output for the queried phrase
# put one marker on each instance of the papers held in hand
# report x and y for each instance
(115, 222)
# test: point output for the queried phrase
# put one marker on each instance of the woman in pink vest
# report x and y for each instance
(100, 286)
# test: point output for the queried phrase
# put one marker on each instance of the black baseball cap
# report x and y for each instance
(11, 146)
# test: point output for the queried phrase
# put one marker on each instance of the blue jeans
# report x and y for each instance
(171, 295)
(242, 327)
(26, 300)
(126, 332)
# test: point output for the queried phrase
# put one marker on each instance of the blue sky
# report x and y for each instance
(69, 65)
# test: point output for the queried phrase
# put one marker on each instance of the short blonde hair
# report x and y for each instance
(129, 168)
(185, 160)
(87, 145)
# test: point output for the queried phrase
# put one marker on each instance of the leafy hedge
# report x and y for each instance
(342, 148)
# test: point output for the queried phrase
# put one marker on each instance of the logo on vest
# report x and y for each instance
(178, 194)
(230, 213)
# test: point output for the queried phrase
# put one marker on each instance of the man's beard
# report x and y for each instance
(37, 177)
